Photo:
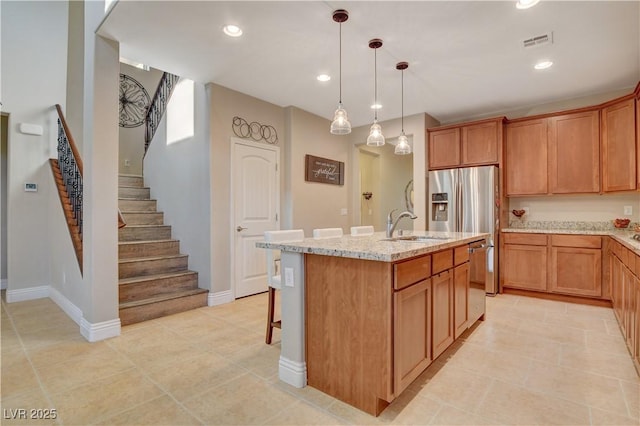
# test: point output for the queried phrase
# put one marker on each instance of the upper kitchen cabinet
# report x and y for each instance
(526, 157)
(574, 153)
(619, 154)
(469, 144)
(638, 139)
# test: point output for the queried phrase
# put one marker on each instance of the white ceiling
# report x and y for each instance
(465, 57)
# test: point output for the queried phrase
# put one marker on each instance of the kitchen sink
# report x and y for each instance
(415, 238)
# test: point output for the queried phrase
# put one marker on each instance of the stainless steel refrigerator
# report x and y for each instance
(467, 200)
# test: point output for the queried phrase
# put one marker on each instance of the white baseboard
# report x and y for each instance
(220, 298)
(100, 330)
(293, 372)
(65, 304)
(3, 284)
(31, 293)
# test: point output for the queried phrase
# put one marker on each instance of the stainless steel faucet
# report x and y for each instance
(391, 224)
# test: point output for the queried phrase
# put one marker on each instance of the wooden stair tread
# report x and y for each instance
(149, 258)
(169, 240)
(148, 226)
(143, 278)
(135, 199)
(129, 175)
(138, 211)
(162, 298)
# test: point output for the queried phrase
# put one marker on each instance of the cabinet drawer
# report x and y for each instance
(442, 261)
(411, 271)
(460, 255)
(579, 241)
(525, 239)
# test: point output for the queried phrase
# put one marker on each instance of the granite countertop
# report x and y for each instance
(373, 247)
(623, 236)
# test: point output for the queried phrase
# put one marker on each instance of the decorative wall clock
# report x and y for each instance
(134, 102)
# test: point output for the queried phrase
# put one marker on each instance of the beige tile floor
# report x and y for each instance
(531, 362)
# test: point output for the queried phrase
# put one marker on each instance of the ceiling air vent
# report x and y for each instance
(538, 40)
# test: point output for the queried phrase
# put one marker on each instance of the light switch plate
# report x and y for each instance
(288, 277)
(343, 212)
(628, 210)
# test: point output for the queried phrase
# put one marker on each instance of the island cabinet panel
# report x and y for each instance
(442, 308)
(526, 157)
(525, 267)
(461, 275)
(619, 146)
(411, 271)
(412, 333)
(574, 153)
(348, 324)
(480, 143)
(444, 148)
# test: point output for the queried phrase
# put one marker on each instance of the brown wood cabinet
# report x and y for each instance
(412, 333)
(526, 157)
(574, 153)
(444, 148)
(372, 327)
(576, 265)
(442, 312)
(460, 299)
(638, 137)
(619, 154)
(470, 144)
(525, 261)
(617, 288)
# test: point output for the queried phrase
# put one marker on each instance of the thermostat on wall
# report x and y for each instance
(30, 187)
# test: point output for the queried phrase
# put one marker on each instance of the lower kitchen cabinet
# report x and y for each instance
(412, 333)
(576, 265)
(442, 312)
(461, 279)
(617, 288)
(525, 265)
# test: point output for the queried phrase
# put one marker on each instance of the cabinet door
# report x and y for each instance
(525, 267)
(629, 303)
(617, 289)
(526, 157)
(574, 153)
(479, 143)
(442, 312)
(638, 139)
(576, 271)
(412, 333)
(444, 148)
(460, 299)
(636, 352)
(619, 147)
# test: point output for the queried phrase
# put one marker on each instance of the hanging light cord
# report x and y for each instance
(340, 66)
(402, 101)
(375, 84)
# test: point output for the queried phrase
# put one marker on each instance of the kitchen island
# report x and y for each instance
(363, 316)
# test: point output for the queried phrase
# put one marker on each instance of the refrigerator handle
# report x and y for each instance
(460, 210)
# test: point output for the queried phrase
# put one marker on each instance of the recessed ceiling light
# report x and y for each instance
(376, 106)
(543, 65)
(232, 30)
(323, 77)
(526, 4)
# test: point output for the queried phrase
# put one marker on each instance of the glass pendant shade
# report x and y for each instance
(340, 124)
(375, 135)
(402, 147)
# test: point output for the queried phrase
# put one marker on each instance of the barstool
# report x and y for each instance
(362, 230)
(274, 279)
(327, 233)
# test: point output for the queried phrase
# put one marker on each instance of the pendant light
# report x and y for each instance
(375, 134)
(340, 124)
(402, 147)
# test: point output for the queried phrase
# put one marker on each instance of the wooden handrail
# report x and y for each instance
(72, 142)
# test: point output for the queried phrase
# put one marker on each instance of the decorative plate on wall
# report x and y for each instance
(134, 102)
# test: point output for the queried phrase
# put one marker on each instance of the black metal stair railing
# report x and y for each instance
(71, 166)
(158, 106)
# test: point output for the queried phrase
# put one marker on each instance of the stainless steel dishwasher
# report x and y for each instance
(479, 273)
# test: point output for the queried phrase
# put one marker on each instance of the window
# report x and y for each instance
(180, 115)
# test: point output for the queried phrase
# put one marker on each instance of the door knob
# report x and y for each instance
(240, 228)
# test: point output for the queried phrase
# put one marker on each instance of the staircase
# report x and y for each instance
(154, 279)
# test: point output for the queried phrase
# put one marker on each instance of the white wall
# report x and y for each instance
(3, 201)
(34, 65)
(178, 175)
(131, 139)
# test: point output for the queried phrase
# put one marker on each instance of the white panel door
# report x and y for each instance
(255, 210)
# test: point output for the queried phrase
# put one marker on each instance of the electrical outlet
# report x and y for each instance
(343, 212)
(628, 210)
(127, 163)
(288, 277)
